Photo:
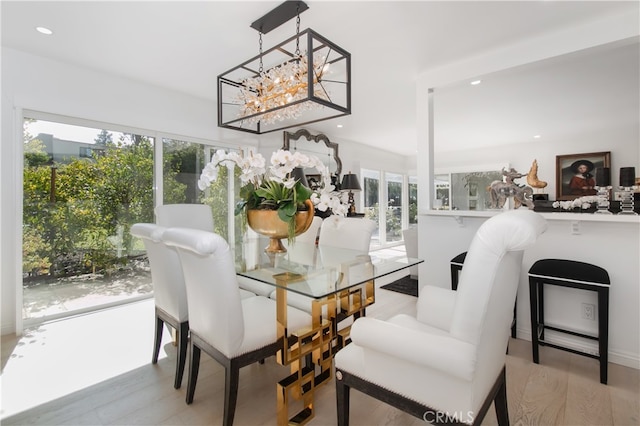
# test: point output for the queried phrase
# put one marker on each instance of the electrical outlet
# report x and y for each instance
(589, 311)
(575, 228)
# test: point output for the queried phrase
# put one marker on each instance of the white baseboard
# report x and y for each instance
(617, 357)
(8, 329)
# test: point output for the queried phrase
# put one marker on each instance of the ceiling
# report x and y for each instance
(183, 45)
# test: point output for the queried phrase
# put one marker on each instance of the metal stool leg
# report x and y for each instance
(533, 298)
(603, 332)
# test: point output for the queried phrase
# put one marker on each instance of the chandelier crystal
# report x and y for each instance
(281, 86)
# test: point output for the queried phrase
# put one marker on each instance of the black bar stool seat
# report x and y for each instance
(456, 266)
(573, 274)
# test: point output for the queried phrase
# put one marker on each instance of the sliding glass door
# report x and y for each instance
(83, 188)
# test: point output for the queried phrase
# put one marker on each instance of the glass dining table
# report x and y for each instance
(335, 285)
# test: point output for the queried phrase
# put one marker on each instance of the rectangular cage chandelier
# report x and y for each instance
(302, 80)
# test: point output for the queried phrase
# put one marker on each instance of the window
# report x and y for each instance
(394, 208)
(371, 201)
(398, 208)
(413, 201)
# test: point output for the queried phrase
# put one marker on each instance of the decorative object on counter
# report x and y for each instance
(627, 181)
(276, 189)
(603, 187)
(303, 79)
(583, 203)
(501, 191)
(574, 174)
(532, 177)
(350, 183)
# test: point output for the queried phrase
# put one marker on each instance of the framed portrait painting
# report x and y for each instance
(575, 174)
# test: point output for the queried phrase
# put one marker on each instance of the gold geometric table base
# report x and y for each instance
(311, 352)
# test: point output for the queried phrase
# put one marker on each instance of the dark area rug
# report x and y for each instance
(405, 285)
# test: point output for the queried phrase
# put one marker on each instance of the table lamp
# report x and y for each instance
(627, 184)
(298, 174)
(603, 186)
(350, 183)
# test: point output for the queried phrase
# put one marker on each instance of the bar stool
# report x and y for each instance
(569, 273)
(456, 266)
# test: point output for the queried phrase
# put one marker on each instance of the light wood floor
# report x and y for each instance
(563, 390)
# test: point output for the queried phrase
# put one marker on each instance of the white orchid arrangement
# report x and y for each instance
(275, 187)
(582, 202)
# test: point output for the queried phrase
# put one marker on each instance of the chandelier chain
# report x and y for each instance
(261, 69)
(298, 32)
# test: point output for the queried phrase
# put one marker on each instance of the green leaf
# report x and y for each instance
(287, 211)
(239, 207)
(303, 193)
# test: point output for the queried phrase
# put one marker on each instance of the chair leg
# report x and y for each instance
(342, 399)
(183, 340)
(500, 402)
(514, 323)
(232, 377)
(157, 340)
(194, 366)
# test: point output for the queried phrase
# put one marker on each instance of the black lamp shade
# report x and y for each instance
(350, 183)
(627, 176)
(298, 174)
(603, 176)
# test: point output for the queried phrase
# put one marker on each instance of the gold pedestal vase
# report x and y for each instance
(269, 224)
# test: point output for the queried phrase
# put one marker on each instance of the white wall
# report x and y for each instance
(35, 83)
(613, 246)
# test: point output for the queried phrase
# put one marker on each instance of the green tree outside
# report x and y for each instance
(76, 213)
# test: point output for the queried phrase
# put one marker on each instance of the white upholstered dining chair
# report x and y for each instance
(310, 235)
(342, 232)
(448, 362)
(235, 332)
(346, 232)
(410, 237)
(197, 216)
(168, 291)
(299, 253)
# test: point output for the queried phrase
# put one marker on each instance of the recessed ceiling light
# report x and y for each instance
(44, 30)
(537, 136)
(339, 126)
(476, 82)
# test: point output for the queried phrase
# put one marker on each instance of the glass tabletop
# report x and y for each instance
(314, 271)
